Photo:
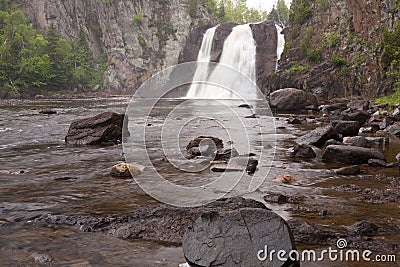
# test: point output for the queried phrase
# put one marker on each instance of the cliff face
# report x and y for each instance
(139, 37)
(334, 48)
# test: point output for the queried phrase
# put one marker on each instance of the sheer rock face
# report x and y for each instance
(135, 50)
(264, 34)
(349, 30)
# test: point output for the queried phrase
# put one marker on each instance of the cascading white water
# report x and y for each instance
(202, 70)
(281, 43)
(239, 53)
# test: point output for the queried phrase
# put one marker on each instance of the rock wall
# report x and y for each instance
(139, 37)
(264, 34)
(337, 50)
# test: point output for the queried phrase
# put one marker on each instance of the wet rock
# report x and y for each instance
(352, 170)
(125, 170)
(308, 233)
(319, 136)
(377, 163)
(293, 120)
(245, 106)
(285, 179)
(394, 129)
(362, 228)
(42, 258)
(378, 141)
(359, 141)
(351, 154)
(163, 223)
(252, 116)
(361, 105)
(334, 106)
(48, 112)
(280, 198)
(291, 99)
(331, 142)
(199, 140)
(347, 128)
(386, 122)
(360, 116)
(302, 151)
(398, 157)
(225, 154)
(233, 239)
(103, 128)
(239, 163)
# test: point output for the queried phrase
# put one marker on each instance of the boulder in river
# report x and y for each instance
(351, 170)
(125, 170)
(351, 154)
(291, 99)
(302, 151)
(394, 129)
(225, 154)
(359, 141)
(104, 128)
(242, 237)
(347, 128)
(204, 140)
(319, 136)
(48, 112)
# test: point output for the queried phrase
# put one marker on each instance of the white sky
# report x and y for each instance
(265, 4)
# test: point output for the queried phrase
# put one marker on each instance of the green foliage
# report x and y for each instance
(324, 5)
(315, 54)
(137, 19)
(338, 60)
(31, 60)
(391, 54)
(332, 39)
(391, 100)
(283, 11)
(295, 67)
(234, 11)
(301, 11)
(192, 8)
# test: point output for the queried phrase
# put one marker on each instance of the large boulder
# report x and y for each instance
(242, 237)
(302, 151)
(103, 128)
(291, 99)
(319, 136)
(351, 154)
(347, 128)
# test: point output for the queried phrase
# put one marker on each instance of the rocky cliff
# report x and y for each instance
(334, 48)
(139, 37)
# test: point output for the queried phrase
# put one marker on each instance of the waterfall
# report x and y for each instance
(239, 53)
(202, 70)
(281, 43)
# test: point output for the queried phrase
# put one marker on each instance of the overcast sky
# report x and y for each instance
(264, 4)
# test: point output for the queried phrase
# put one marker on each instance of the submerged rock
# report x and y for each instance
(48, 112)
(163, 223)
(351, 154)
(352, 170)
(237, 238)
(103, 128)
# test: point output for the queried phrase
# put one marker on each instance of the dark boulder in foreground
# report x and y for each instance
(291, 99)
(351, 154)
(104, 128)
(319, 136)
(242, 237)
(347, 128)
(162, 223)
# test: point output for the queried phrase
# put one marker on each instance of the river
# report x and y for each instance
(60, 179)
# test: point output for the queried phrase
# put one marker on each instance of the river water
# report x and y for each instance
(60, 179)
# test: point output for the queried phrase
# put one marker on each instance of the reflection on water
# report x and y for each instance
(62, 179)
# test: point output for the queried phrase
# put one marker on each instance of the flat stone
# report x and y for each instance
(237, 238)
